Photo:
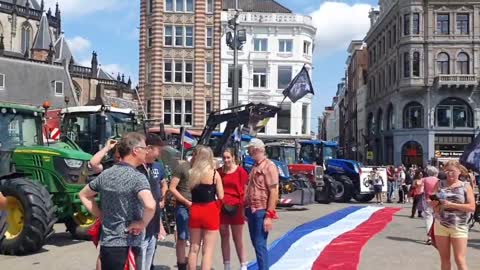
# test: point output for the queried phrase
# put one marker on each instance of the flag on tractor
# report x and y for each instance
(188, 140)
(471, 156)
(300, 86)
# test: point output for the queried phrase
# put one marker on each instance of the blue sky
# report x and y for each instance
(110, 27)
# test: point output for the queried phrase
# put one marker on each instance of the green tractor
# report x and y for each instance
(41, 181)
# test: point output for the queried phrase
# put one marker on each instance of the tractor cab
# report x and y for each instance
(284, 152)
(317, 152)
(91, 126)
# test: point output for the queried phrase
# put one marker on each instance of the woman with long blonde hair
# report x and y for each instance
(207, 191)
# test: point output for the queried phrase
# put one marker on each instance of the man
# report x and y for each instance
(127, 204)
(181, 191)
(390, 183)
(261, 200)
(155, 174)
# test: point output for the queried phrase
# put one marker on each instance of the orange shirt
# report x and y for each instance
(262, 176)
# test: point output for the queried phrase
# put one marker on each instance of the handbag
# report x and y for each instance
(228, 209)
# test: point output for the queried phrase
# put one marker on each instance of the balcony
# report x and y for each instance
(269, 18)
(457, 80)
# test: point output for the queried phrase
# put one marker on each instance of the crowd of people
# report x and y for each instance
(210, 202)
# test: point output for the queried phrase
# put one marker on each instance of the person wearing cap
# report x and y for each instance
(261, 200)
(155, 174)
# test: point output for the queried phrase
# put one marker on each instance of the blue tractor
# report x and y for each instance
(346, 173)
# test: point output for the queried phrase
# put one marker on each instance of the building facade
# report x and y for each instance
(423, 98)
(179, 69)
(279, 43)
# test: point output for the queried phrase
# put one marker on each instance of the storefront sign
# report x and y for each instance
(448, 154)
(370, 155)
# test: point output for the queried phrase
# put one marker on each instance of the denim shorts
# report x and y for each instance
(181, 218)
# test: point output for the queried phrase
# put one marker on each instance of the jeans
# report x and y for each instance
(390, 190)
(181, 217)
(428, 216)
(258, 236)
(148, 252)
(115, 257)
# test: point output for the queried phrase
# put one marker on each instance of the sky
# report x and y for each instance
(110, 27)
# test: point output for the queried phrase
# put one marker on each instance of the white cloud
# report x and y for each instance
(83, 7)
(79, 45)
(337, 24)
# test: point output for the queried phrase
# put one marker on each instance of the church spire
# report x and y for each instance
(42, 5)
(42, 41)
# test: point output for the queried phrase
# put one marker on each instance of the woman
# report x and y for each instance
(429, 184)
(417, 186)
(206, 187)
(452, 205)
(232, 217)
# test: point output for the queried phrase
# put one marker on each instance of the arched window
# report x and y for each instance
(443, 63)
(1, 29)
(26, 36)
(463, 65)
(390, 118)
(371, 125)
(412, 154)
(380, 121)
(452, 113)
(413, 115)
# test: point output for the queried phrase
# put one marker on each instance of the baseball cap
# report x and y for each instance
(256, 143)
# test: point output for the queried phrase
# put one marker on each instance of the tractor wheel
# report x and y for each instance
(3, 225)
(363, 198)
(30, 216)
(79, 224)
(327, 195)
(344, 188)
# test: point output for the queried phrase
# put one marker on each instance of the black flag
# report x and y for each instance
(299, 86)
(471, 156)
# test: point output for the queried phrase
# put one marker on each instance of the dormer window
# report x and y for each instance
(59, 88)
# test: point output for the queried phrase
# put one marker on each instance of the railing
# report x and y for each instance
(6, 7)
(286, 18)
(457, 79)
(86, 71)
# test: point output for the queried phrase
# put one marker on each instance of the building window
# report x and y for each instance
(452, 113)
(413, 115)
(2, 81)
(177, 108)
(188, 113)
(285, 45)
(189, 36)
(394, 34)
(260, 44)
(188, 72)
(150, 37)
(150, 6)
(230, 76)
(167, 71)
(209, 6)
(406, 24)
(167, 112)
(179, 36)
(208, 107)
(58, 88)
(443, 63)
(416, 64)
(209, 73)
(148, 72)
(178, 72)
(26, 37)
(406, 65)
(149, 108)
(390, 118)
(380, 127)
(389, 39)
(284, 76)
(168, 5)
(283, 119)
(394, 72)
(443, 24)
(168, 37)
(463, 64)
(209, 37)
(306, 47)
(189, 4)
(416, 24)
(259, 77)
(463, 24)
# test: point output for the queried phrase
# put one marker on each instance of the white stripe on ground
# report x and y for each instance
(303, 253)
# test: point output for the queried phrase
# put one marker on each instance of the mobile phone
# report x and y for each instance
(434, 197)
(113, 141)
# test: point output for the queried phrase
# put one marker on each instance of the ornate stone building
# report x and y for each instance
(180, 60)
(423, 98)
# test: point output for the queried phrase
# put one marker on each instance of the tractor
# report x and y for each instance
(307, 178)
(346, 173)
(40, 180)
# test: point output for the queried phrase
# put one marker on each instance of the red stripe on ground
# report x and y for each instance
(344, 251)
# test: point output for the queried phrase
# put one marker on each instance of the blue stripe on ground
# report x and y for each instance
(280, 246)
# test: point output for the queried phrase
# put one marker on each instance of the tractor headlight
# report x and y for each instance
(74, 163)
(318, 172)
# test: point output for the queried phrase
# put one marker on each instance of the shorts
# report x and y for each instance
(181, 219)
(238, 219)
(205, 216)
(377, 189)
(441, 230)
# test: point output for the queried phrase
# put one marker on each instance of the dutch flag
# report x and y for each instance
(188, 140)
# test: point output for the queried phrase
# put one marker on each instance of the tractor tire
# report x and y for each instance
(3, 225)
(344, 188)
(363, 198)
(327, 195)
(30, 216)
(79, 225)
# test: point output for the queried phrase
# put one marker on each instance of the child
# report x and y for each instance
(377, 185)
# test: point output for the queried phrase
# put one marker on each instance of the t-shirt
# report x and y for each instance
(156, 175)
(261, 178)
(234, 185)
(182, 172)
(119, 187)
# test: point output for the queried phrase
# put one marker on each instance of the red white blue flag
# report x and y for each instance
(188, 140)
(334, 241)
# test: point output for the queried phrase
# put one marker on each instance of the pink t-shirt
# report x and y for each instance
(262, 177)
(429, 185)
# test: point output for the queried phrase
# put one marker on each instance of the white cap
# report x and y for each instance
(255, 143)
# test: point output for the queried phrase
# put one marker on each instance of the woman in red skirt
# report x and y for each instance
(232, 217)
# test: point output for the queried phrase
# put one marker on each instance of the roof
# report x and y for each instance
(102, 74)
(43, 39)
(21, 107)
(266, 6)
(62, 50)
(94, 109)
(33, 3)
(326, 143)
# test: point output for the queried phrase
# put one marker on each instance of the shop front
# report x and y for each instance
(451, 147)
